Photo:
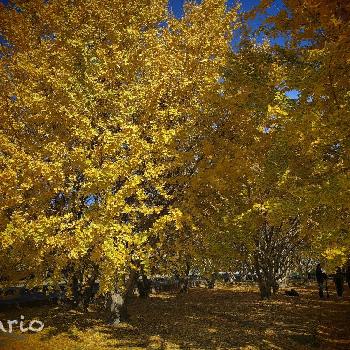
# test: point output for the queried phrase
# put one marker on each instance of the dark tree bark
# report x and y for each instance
(90, 290)
(275, 252)
(183, 285)
(184, 281)
(144, 286)
(211, 281)
(76, 289)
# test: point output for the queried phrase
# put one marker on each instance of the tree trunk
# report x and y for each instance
(119, 301)
(118, 308)
(183, 284)
(265, 293)
(275, 287)
(76, 289)
(211, 281)
(144, 286)
(90, 291)
(264, 281)
(184, 281)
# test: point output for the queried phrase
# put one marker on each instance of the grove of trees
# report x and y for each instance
(134, 143)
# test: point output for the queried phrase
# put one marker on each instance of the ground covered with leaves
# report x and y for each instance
(223, 318)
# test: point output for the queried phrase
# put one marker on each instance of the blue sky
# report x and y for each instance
(177, 5)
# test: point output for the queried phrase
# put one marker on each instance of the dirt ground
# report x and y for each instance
(223, 318)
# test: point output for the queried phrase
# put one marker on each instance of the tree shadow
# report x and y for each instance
(221, 319)
(211, 319)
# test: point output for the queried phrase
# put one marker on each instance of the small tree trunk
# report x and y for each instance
(90, 291)
(275, 287)
(183, 284)
(76, 290)
(184, 281)
(211, 281)
(144, 287)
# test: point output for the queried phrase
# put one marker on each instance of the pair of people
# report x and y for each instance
(322, 278)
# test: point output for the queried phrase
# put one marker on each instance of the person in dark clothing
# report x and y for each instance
(339, 282)
(348, 274)
(320, 280)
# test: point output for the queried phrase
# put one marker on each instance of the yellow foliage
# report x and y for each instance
(100, 103)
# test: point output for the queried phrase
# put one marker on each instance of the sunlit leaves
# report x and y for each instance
(99, 141)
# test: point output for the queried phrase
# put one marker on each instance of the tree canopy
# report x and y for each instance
(130, 139)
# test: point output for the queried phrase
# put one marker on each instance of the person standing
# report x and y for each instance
(348, 274)
(339, 282)
(320, 280)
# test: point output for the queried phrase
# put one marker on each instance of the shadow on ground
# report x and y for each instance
(225, 318)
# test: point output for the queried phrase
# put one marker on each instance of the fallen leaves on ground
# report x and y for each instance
(228, 317)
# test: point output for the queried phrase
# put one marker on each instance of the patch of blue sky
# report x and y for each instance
(305, 43)
(163, 24)
(258, 20)
(90, 200)
(292, 94)
(7, 2)
(176, 7)
(13, 6)
(4, 41)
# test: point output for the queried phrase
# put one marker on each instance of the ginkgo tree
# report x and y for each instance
(132, 141)
(251, 208)
(102, 106)
(274, 177)
(317, 56)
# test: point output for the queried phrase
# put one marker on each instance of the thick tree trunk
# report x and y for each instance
(265, 293)
(275, 287)
(274, 251)
(118, 308)
(83, 294)
(118, 301)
